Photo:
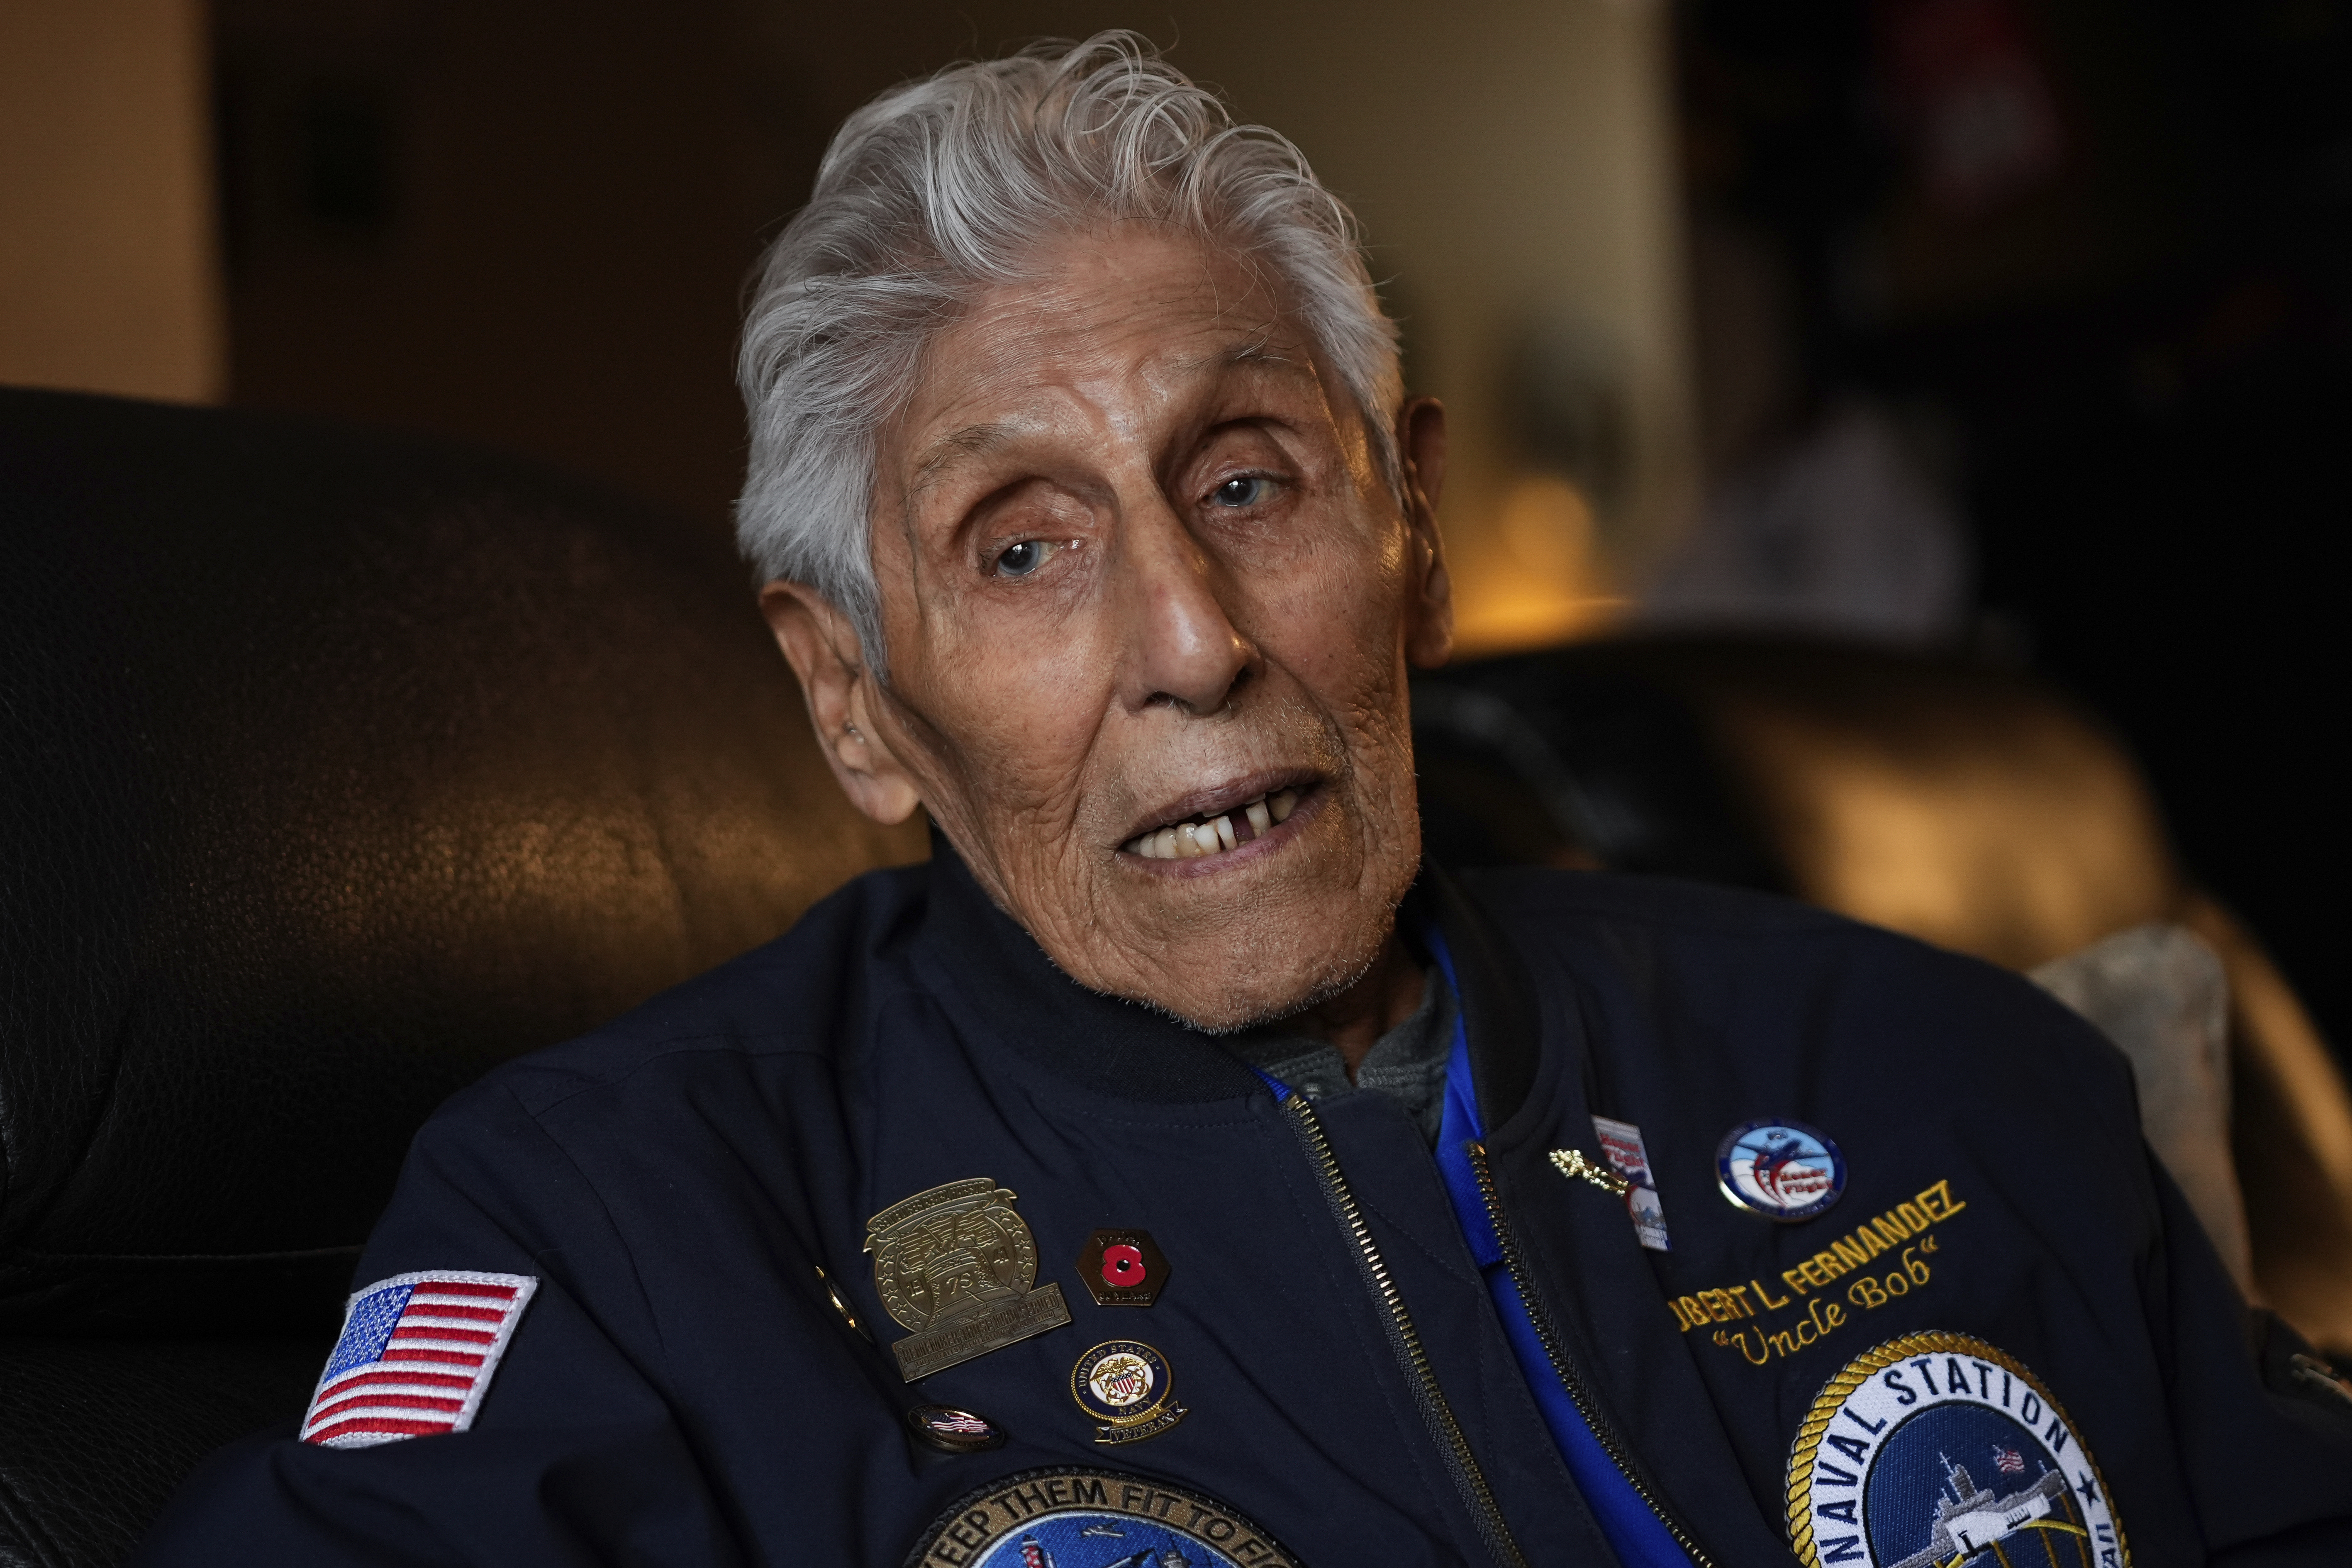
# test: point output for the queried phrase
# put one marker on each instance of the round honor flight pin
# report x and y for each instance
(1781, 1170)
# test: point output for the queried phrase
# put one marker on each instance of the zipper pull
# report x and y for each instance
(1571, 1164)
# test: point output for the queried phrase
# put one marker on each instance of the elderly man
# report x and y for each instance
(1175, 1171)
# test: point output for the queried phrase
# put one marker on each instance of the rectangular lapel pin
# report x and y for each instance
(1621, 1145)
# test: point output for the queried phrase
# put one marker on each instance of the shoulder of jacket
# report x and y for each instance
(791, 995)
(1523, 894)
(1604, 925)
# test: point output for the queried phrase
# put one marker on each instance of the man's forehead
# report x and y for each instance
(1053, 338)
(1172, 318)
(942, 449)
(1126, 276)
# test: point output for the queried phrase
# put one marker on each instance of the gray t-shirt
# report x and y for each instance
(1407, 1064)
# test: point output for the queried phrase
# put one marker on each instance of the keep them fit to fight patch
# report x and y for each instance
(416, 1357)
(1071, 1517)
(1936, 1448)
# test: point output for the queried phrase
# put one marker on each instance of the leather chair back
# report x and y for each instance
(334, 769)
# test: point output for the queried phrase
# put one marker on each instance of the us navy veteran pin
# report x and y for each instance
(1074, 1518)
(1937, 1447)
(1129, 1388)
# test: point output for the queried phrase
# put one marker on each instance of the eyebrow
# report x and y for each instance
(971, 441)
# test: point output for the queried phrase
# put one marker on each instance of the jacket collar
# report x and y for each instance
(1498, 1003)
(1002, 984)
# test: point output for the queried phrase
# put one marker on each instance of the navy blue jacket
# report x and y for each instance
(681, 1390)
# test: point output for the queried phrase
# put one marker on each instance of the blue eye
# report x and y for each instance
(1241, 491)
(1020, 560)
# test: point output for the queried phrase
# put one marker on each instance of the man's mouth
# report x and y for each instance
(1201, 835)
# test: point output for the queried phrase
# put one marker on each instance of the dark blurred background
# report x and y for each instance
(2104, 253)
(2016, 328)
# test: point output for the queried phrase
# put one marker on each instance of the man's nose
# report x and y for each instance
(1182, 646)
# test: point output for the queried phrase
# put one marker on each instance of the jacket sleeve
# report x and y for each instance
(573, 1455)
(2265, 1438)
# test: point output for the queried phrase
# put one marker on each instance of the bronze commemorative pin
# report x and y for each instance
(956, 1267)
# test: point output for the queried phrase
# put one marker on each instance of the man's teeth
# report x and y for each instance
(1190, 840)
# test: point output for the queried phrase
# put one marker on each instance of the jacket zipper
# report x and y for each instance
(1572, 1377)
(1405, 1341)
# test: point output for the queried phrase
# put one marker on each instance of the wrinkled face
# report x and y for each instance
(1149, 607)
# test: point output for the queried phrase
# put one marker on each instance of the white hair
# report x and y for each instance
(943, 187)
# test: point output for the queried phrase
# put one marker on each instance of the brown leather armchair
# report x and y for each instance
(334, 769)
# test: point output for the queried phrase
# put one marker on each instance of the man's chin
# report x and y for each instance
(1241, 980)
(1223, 953)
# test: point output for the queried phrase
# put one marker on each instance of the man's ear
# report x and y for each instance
(821, 645)
(1421, 448)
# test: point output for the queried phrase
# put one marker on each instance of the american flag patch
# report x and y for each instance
(416, 1356)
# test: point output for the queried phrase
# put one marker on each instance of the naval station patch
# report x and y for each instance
(1935, 1449)
(1070, 1517)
